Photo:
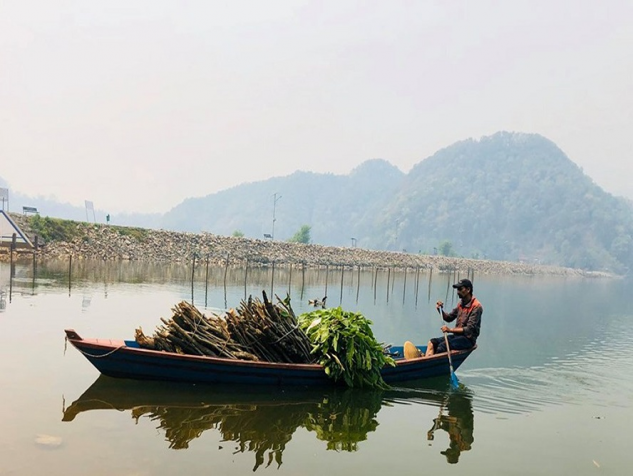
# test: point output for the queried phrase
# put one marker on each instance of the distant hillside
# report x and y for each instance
(337, 207)
(509, 196)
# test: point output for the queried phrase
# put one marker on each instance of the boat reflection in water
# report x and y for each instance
(458, 422)
(263, 421)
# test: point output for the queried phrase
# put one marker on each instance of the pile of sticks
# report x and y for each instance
(256, 330)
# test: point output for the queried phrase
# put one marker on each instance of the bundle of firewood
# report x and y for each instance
(256, 330)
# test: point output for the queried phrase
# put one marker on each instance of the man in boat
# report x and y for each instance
(468, 314)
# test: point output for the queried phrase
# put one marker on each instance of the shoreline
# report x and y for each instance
(113, 243)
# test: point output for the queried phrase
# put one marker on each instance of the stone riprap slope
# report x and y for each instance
(102, 242)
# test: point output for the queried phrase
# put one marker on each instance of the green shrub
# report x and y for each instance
(54, 229)
(139, 234)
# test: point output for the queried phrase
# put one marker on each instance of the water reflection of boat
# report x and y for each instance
(126, 359)
(261, 421)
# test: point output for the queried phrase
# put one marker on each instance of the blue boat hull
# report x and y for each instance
(126, 359)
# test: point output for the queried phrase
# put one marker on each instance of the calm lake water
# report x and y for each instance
(548, 391)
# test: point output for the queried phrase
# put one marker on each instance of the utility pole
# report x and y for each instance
(275, 198)
(4, 195)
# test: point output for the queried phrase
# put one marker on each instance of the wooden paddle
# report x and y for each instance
(454, 381)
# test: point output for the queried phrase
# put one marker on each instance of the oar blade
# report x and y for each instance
(454, 381)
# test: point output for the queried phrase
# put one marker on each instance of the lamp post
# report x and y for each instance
(275, 198)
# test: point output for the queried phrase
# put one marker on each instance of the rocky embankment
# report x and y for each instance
(102, 242)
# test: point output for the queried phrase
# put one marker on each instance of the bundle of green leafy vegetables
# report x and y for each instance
(346, 347)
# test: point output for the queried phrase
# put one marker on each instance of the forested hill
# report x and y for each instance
(515, 197)
(509, 196)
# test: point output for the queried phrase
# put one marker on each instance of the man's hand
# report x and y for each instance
(445, 329)
(439, 304)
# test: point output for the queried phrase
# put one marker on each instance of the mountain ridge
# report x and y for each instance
(508, 196)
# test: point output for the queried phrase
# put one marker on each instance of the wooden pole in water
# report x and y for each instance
(358, 284)
(206, 283)
(430, 281)
(393, 282)
(11, 250)
(375, 282)
(35, 246)
(272, 280)
(34, 263)
(417, 283)
(448, 285)
(404, 287)
(342, 274)
(10, 282)
(245, 276)
(373, 272)
(352, 272)
(11, 267)
(70, 267)
(303, 278)
(289, 278)
(388, 279)
(327, 274)
(226, 269)
(193, 272)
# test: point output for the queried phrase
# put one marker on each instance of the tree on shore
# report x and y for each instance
(446, 248)
(301, 236)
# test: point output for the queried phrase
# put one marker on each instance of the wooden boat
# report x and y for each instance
(126, 359)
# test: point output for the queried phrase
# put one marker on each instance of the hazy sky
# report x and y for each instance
(138, 104)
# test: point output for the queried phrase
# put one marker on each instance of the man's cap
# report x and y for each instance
(466, 283)
(452, 455)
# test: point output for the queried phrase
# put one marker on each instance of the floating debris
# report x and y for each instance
(48, 441)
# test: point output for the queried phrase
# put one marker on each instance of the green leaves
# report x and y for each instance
(301, 236)
(346, 347)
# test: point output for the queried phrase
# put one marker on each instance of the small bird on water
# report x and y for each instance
(316, 302)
